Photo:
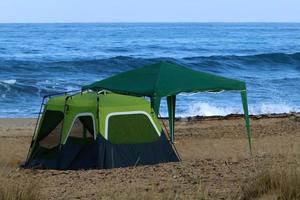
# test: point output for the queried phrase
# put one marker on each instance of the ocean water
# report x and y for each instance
(40, 59)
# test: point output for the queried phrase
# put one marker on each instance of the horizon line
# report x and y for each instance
(158, 22)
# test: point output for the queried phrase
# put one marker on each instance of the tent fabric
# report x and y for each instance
(101, 154)
(121, 131)
(166, 79)
(86, 102)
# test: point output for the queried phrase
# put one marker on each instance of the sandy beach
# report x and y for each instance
(216, 162)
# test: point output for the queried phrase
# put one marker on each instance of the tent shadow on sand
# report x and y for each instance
(110, 124)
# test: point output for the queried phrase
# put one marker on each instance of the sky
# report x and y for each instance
(56, 11)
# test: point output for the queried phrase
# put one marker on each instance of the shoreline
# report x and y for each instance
(25, 126)
(237, 116)
(198, 117)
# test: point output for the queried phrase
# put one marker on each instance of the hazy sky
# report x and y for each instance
(150, 11)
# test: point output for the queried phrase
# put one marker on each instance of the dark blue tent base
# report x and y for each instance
(101, 154)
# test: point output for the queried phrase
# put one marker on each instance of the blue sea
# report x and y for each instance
(40, 59)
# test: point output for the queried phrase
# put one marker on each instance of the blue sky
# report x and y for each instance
(149, 11)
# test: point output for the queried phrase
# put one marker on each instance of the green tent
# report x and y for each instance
(98, 130)
(167, 79)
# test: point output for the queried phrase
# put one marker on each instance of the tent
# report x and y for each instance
(167, 79)
(98, 130)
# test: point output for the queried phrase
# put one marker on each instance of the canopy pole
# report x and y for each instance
(155, 104)
(247, 120)
(171, 100)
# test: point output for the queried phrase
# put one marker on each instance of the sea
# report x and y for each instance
(41, 59)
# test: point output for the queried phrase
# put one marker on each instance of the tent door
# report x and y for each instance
(82, 130)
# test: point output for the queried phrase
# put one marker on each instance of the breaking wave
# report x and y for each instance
(10, 81)
(269, 77)
(208, 109)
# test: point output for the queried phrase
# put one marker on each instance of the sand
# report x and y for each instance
(215, 164)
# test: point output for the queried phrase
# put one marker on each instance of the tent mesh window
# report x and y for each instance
(131, 129)
(49, 134)
(82, 130)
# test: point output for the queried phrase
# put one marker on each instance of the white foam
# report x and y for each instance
(268, 108)
(71, 88)
(206, 109)
(210, 109)
(9, 81)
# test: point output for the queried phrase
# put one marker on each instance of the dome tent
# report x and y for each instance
(98, 130)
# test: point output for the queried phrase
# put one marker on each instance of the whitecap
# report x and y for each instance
(207, 109)
(71, 88)
(269, 108)
(9, 81)
(211, 109)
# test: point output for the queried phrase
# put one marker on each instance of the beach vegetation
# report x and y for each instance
(13, 189)
(275, 182)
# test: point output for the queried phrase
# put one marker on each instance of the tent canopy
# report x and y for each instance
(165, 79)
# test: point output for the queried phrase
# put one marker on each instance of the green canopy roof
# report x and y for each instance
(165, 79)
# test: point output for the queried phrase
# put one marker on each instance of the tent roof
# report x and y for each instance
(165, 79)
(89, 99)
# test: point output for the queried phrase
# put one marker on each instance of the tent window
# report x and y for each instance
(49, 134)
(83, 128)
(131, 129)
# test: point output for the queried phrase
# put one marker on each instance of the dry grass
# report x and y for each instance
(277, 178)
(279, 182)
(13, 189)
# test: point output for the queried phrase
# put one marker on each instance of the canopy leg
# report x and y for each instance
(155, 104)
(247, 120)
(171, 100)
